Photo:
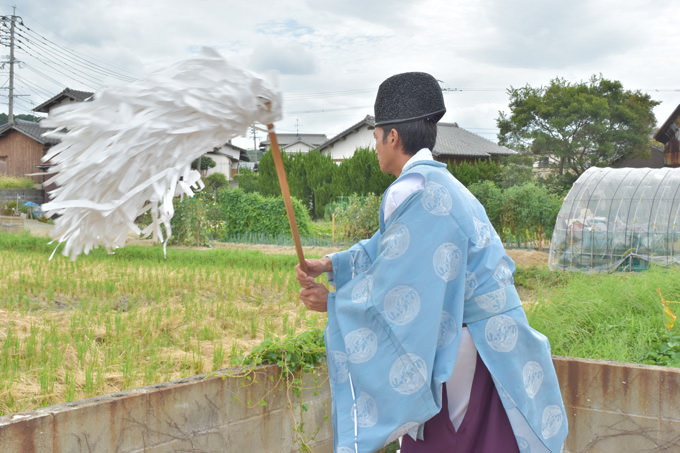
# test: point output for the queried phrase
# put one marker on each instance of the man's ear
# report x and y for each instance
(393, 136)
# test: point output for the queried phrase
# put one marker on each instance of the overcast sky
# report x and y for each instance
(331, 55)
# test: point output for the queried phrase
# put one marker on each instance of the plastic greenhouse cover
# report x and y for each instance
(618, 219)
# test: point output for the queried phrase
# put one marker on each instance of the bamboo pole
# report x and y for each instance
(285, 192)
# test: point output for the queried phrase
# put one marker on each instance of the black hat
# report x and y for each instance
(409, 96)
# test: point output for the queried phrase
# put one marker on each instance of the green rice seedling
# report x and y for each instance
(218, 355)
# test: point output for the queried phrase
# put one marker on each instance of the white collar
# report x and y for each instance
(422, 154)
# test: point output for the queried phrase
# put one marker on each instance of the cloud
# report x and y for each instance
(290, 59)
(288, 27)
(543, 34)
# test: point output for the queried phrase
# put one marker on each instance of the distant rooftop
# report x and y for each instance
(68, 93)
(456, 141)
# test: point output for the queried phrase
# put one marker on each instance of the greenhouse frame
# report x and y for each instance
(618, 219)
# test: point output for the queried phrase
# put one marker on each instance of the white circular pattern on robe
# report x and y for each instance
(483, 233)
(362, 290)
(401, 431)
(523, 445)
(470, 284)
(501, 333)
(402, 305)
(532, 375)
(448, 329)
(551, 422)
(408, 374)
(367, 411)
(338, 369)
(447, 261)
(361, 261)
(361, 345)
(436, 199)
(503, 274)
(395, 241)
(492, 302)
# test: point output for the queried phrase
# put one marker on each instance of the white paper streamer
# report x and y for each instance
(130, 149)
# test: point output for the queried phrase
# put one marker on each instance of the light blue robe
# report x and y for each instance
(395, 318)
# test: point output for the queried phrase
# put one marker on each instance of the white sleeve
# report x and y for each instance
(400, 191)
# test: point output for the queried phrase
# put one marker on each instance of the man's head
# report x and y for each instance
(410, 103)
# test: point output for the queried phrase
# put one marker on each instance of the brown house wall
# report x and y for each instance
(21, 153)
(672, 153)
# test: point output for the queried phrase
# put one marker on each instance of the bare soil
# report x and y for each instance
(521, 257)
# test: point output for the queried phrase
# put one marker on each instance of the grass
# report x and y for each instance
(104, 323)
(616, 316)
(71, 330)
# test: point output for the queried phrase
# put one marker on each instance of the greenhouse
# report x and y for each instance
(618, 219)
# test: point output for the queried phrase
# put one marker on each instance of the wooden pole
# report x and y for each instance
(285, 192)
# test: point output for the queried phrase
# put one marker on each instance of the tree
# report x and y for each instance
(21, 116)
(205, 162)
(469, 173)
(215, 182)
(578, 125)
(360, 174)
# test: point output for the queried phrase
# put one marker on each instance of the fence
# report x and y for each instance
(611, 406)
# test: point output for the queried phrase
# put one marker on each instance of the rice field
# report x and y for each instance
(104, 323)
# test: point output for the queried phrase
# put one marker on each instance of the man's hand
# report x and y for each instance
(313, 295)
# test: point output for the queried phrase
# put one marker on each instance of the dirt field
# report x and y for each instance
(522, 258)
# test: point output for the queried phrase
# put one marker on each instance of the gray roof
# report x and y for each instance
(30, 129)
(455, 141)
(68, 93)
(311, 140)
(367, 121)
(243, 154)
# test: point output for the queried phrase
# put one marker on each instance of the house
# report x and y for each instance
(22, 147)
(68, 96)
(343, 145)
(669, 135)
(656, 159)
(454, 144)
(227, 159)
(296, 143)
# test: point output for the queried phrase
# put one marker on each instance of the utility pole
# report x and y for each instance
(10, 114)
(253, 131)
(12, 20)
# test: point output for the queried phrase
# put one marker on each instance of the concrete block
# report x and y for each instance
(606, 432)
(26, 433)
(669, 393)
(609, 386)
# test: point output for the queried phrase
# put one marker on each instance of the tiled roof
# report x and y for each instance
(367, 121)
(311, 140)
(243, 154)
(68, 93)
(30, 129)
(455, 141)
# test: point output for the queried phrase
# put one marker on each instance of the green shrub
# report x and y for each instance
(491, 197)
(358, 217)
(248, 180)
(10, 182)
(244, 213)
(469, 173)
(189, 224)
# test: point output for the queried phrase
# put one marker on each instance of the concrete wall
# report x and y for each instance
(34, 195)
(620, 407)
(612, 407)
(219, 413)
